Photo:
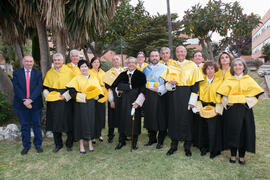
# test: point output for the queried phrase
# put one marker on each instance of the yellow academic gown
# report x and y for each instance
(221, 74)
(59, 112)
(84, 112)
(170, 62)
(74, 69)
(180, 118)
(210, 129)
(239, 124)
(143, 66)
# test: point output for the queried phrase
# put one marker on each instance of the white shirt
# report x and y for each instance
(73, 64)
(200, 65)
(118, 70)
(25, 72)
(238, 77)
(210, 80)
(141, 65)
(181, 63)
(87, 76)
(130, 72)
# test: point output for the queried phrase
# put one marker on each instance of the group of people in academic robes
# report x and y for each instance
(208, 105)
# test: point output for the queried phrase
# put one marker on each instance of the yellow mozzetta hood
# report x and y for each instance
(74, 69)
(186, 75)
(111, 75)
(142, 68)
(223, 74)
(90, 87)
(170, 62)
(58, 80)
(237, 90)
(100, 76)
(208, 91)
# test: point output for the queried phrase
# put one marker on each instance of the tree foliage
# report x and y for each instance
(226, 19)
(266, 51)
(154, 35)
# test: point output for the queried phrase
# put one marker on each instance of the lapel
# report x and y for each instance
(23, 78)
(32, 76)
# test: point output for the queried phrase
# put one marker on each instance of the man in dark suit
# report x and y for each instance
(27, 84)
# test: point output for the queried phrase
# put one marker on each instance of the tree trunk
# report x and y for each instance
(43, 44)
(19, 52)
(6, 86)
(60, 43)
(210, 48)
(85, 51)
(204, 49)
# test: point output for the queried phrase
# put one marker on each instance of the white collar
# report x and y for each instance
(73, 64)
(210, 80)
(86, 76)
(141, 65)
(25, 70)
(238, 77)
(118, 69)
(130, 72)
(200, 65)
(181, 63)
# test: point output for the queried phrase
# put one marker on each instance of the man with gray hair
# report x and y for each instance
(129, 85)
(165, 54)
(59, 107)
(74, 57)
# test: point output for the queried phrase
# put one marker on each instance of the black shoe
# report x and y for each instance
(120, 145)
(83, 152)
(69, 149)
(212, 155)
(94, 141)
(232, 161)
(39, 149)
(159, 146)
(171, 151)
(188, 153)
(100, 139)
(135, 146)
(24, 151)
(110, 140)
(241, 162)
(203, 151)
(56, 149)
(150, 143)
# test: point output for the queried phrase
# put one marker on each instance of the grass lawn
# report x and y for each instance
(144, 163)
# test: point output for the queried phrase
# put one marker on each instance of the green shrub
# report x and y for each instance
(106, 65)
(6, 111)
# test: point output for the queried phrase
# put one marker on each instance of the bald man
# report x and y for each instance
(183, 77)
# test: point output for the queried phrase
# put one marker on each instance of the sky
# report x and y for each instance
(259, 7)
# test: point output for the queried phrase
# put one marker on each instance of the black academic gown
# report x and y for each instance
(209, 132)
(154, 111)
(83, 118)
(128, 97)
(239, 128)
(59, 114)
(180, 118)
(113, 114)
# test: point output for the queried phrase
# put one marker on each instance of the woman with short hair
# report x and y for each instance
(210, 108)
(84, 89)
